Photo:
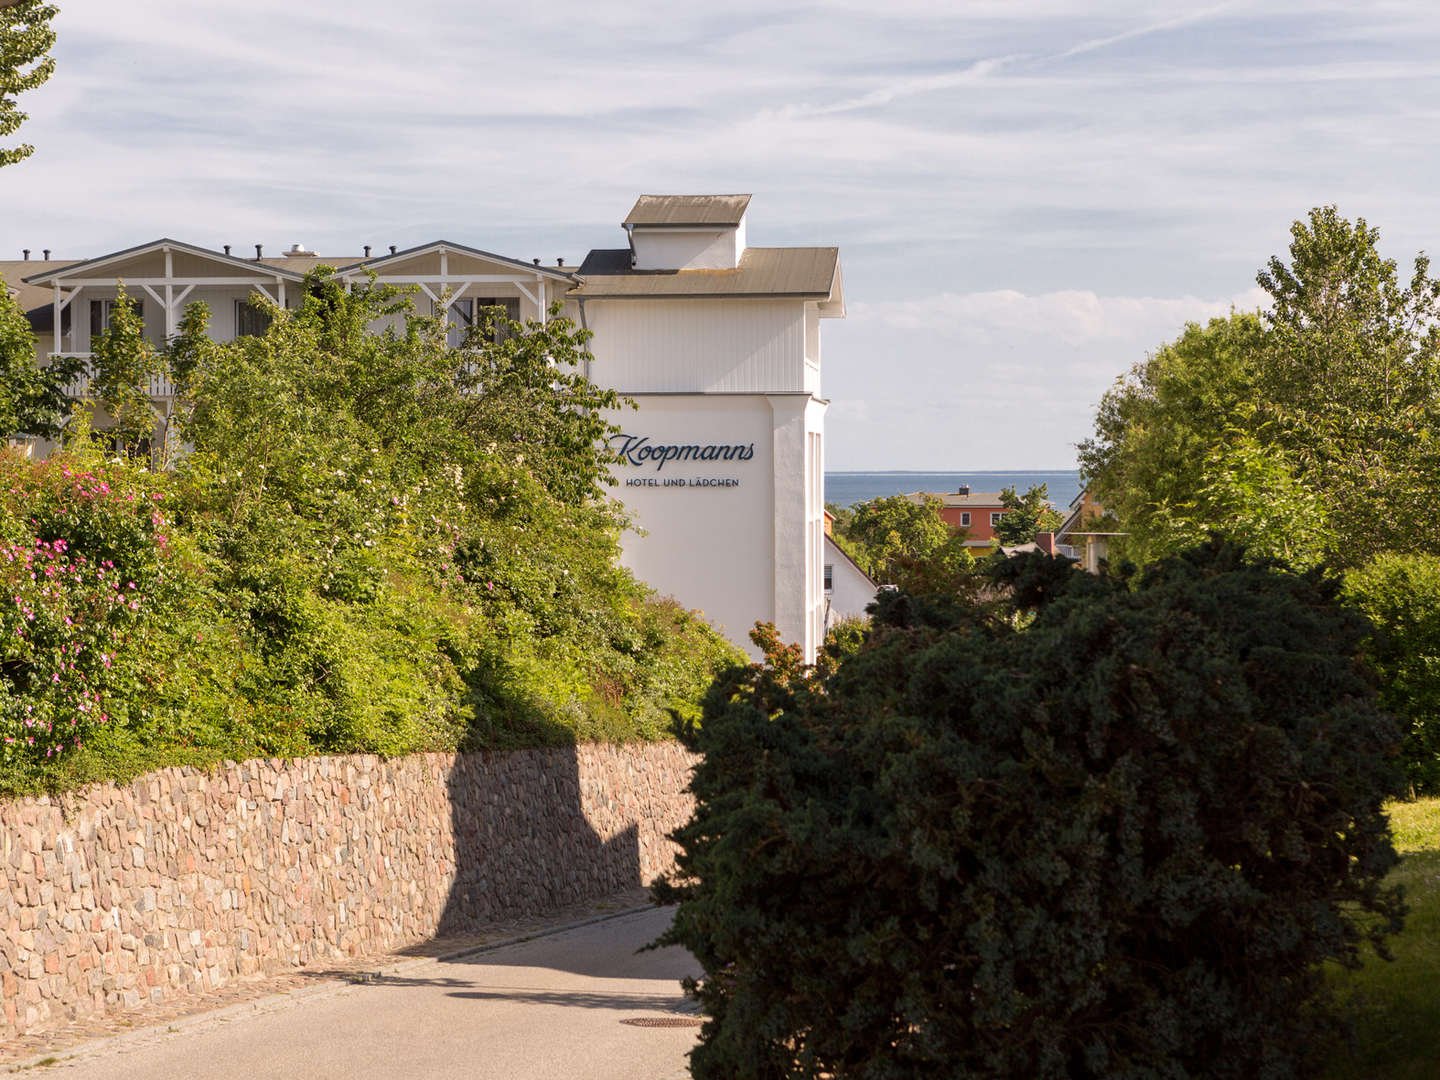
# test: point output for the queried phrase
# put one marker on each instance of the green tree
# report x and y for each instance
(25, 41)
(1027, 515)
(363, 489)
(1122, 838)
(1351, 379)
(1328, 403)
(32, 398)
(906, 543)
(123, 362)
(1400, 595)
(1157, 428)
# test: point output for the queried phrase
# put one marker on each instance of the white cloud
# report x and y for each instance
(1070, 316)
(1027, 194)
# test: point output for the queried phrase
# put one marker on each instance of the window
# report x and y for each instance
(995, 517)
(964, 519)
(102, 311)
(251, 320)
(829, 577)
(465, 311)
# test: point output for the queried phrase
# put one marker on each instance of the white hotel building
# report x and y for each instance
(718, 343)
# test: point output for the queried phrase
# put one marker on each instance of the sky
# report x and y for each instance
(1028, 195)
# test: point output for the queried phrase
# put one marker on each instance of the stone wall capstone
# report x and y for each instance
(120, 895)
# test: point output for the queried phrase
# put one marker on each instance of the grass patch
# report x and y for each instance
(1396, 1005)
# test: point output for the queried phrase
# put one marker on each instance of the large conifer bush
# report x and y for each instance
(1119, 838)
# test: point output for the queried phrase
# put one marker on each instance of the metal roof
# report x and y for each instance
(30, 297)
(303, 264)
(807, 273)
(681, 211)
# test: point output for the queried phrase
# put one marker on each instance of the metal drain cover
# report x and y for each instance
(663, 1021)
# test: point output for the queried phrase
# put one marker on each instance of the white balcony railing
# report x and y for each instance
(159, 385)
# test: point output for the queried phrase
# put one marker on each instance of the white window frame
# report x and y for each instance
(964, 519)
(995, 516)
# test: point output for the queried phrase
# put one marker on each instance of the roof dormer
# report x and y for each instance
(687, 232)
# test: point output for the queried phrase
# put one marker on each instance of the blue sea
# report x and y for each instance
(848, 488)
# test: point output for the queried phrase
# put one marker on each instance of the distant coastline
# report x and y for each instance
(845, 488)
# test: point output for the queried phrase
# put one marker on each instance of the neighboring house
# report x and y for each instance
(1080, 537)
(848, 589)
(976, 512)
(717, 341)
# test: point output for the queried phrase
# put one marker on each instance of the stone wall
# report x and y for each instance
(119, 895)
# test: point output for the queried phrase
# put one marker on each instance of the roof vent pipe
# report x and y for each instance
(258, 248)
(47, 254)
(392, 249)
(27, 254)
(559, 262)
(535, 261)
(227, 249)
(367, 251)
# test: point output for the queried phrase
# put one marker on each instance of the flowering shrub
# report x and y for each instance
(84, 561)
(370, 543)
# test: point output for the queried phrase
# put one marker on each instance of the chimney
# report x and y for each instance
(963, 489)
(27, 255)
(367, 251)
(392, 249)
(257, 252)
(1045, 542)
(46, 253)
(227, 249)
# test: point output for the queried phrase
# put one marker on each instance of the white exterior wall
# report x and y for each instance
(712, 346)
(851, 591)
(687, 249)
(742, 541)
(709, 546)
(739, 539)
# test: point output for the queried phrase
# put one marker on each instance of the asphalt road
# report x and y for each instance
(546, 1008)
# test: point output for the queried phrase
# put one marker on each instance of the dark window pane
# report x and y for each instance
(103, 311)
(251, 320)
(511, 306)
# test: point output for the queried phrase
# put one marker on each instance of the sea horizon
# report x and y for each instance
(846, 487)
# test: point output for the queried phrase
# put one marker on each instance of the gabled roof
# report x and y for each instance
(831, 542)
(687, 211)
(802, 273)
(379, 263)
(29, 297)
(101, 261)
(303, 264)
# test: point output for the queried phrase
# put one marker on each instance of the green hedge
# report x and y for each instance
(372, 542)
(1119, 841)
